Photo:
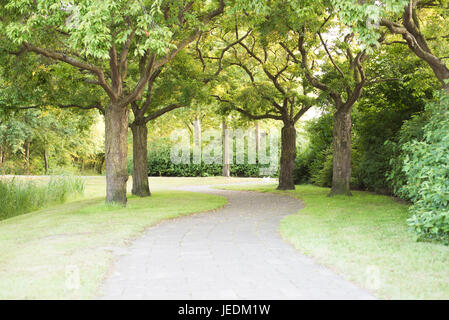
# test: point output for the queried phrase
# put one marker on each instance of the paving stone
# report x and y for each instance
(232, 253)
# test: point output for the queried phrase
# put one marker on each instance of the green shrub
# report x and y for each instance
(312, 163)
(13, 167)
(19, 197)
(425, 164)
(160, 164)
(379, 117)
(412, 129)
(321, 168)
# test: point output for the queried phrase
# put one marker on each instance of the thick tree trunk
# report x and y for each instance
(341, 177)
(141, 186)
(439, 69)
(288, 155)
(1, 154)
(116, 140)
(46, 161)
(226, 151)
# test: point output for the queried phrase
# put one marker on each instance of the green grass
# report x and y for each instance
(21, 196)
(365, 238)
(39, 250)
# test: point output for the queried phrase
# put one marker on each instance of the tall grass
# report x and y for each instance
(19, 197)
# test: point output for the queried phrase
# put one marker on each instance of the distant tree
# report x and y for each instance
(262, 82)
(36, 138)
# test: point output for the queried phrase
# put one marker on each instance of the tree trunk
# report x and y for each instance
(439, 69)
(341, 177)
(116, 141)
(141, 186)
(257, 141)
(27, 156)
(226, 153)
(1, 154)
(288, 156)
(46, 161)
(197, 141)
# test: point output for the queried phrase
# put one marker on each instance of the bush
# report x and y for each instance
(425, 164)
(159, 164)
(321, 168)
(19, 197)
(379, 117)
(412, 129)
(10, 167)
(312, 164)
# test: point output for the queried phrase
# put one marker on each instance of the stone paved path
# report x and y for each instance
(233, 253)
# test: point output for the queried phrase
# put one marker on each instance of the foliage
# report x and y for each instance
(19, 197)
(65, 138)
(378, 118)
(412, 129)
(312, 163)
(363, 16)
(426, 168)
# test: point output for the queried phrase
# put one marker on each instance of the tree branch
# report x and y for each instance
(160, 112)
(76, 63)
(67, 106)
(330, 56)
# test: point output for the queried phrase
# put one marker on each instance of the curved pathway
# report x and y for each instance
(233, 253)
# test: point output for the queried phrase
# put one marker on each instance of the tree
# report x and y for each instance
(333, 63)
(102, 38)
(266, 86)
(351, 83)
(42, 138)
(181, 81)
(327, 58)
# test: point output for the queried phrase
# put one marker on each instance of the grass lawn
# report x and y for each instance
(43, 251)
(365, 238)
